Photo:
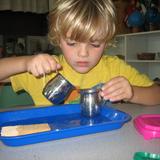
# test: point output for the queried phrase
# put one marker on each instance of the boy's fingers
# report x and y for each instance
(115, 93)
(53, 65)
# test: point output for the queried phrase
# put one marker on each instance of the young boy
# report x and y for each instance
(82, 29)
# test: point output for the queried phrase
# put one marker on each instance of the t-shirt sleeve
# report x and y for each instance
(118, 67)
(133, 75)
(19, 82)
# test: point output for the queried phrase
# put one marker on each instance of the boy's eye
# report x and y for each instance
(95, 45)
(71, 43)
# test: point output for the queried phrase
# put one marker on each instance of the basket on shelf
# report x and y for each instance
(146, 56)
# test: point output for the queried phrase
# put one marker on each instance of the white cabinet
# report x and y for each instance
(129, 45)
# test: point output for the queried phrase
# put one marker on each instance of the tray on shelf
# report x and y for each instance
(65, 121)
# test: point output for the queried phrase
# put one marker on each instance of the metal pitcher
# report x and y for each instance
(57, 89)
(90, 102)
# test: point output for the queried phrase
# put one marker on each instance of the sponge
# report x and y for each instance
(19, 130)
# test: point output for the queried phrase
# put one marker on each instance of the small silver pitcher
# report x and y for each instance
(57, 89)
(90, 102)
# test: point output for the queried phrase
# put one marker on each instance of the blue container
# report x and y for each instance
(65, 121)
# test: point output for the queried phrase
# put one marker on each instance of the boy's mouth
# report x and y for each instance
(82, 63)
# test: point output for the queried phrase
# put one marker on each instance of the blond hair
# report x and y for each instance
(87, 20)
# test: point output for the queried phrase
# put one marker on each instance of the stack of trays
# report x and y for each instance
(148, 125)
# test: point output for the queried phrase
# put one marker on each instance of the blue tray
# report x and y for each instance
(65, 121)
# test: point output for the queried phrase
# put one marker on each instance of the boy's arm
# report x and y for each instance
(11, 66)
(119, 88)
(146, 95)
(37, 65)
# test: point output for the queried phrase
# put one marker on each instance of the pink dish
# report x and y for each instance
(148, 125)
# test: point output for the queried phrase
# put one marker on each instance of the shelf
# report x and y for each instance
(143, 61)
(129, 45)
(139, 33)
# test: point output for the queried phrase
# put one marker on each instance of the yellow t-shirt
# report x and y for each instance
(106, 69)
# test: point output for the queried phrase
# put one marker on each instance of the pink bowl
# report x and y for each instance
(148, 125)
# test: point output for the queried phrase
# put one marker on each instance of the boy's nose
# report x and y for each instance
(83, 51)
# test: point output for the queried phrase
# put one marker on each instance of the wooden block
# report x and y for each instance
(24, 129)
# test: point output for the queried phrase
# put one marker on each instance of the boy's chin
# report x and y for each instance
(82, 70)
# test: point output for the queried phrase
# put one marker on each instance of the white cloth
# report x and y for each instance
(36, 6)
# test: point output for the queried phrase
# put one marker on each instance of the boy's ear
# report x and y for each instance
(106, 45)
(59, 43)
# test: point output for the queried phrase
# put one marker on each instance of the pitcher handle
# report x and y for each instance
(103, 101)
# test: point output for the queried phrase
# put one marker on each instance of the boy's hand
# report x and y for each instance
(42, 64)
(117, 89)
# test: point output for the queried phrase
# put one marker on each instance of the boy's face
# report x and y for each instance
(82, 56)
